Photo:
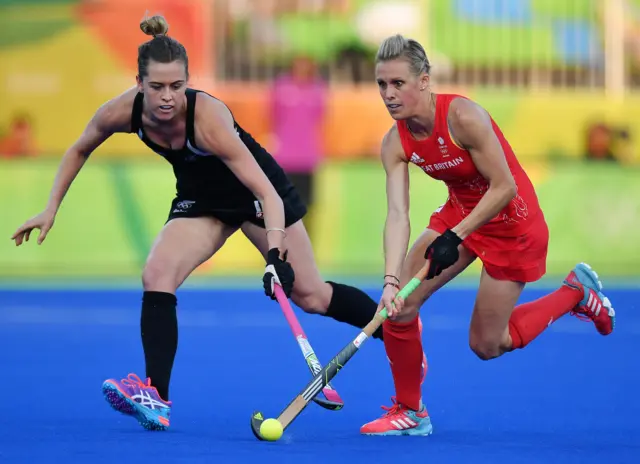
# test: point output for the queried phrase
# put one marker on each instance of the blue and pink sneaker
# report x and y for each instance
(594, 306)
(139, 399)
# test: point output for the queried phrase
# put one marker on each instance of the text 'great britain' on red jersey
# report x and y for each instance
(442, 159)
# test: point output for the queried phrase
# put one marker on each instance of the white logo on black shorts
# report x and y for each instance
(183, 206)
(259, 212)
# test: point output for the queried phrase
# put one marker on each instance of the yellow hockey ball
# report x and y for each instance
(271, 429)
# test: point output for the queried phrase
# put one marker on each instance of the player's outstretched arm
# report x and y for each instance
(397, 228)
(471, 127)
(111, 117)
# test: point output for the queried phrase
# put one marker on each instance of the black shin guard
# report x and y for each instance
(352, 306)
(159, 330)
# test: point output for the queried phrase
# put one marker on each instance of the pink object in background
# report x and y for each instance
(298, 102)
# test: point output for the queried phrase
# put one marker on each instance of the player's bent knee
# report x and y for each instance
(411, 308)
(485, 349)
(313, 302)
(409, 313)
(309, 303)
(158, 276)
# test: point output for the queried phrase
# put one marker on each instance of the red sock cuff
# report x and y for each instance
(516, 338)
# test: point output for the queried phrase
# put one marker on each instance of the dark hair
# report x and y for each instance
(162, 48)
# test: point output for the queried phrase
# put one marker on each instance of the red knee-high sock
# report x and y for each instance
(530, 319)
(403, 344)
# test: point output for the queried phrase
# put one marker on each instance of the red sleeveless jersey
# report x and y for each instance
(442, 159)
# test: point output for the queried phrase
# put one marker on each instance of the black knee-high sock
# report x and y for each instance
(352, 306)
(159, 330)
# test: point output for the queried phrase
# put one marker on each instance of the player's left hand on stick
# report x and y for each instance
(278, 271)
(442, 253)
(391, 301)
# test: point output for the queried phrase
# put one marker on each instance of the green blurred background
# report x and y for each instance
(559, 76)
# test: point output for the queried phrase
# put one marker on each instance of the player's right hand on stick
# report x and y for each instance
(278, 271)
(43, 221)
(391, 301)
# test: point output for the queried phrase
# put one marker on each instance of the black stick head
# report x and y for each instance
(257, 418)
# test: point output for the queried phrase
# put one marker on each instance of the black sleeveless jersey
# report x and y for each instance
(205, 177)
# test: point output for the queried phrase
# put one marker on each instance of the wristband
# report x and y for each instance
(391, 275)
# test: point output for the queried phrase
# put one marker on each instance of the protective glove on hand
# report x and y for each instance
(277, 271)
(442, 253)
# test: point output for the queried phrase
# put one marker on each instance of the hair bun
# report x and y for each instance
(155, 25)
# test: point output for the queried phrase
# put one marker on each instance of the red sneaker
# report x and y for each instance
(400, 420)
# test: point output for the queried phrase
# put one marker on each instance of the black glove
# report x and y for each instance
(442, 253)
(278, 271)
